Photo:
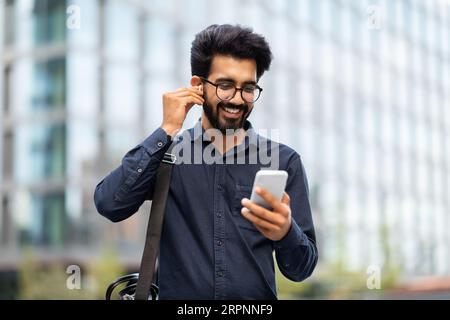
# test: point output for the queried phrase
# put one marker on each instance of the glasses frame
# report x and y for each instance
(236, 89)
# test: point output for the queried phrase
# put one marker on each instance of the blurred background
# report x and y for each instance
(360, 88)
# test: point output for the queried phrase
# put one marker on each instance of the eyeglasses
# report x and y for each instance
(226, 91)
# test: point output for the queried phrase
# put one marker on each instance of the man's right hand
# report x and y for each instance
(177, 104)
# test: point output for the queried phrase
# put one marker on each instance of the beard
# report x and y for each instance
(223, 124)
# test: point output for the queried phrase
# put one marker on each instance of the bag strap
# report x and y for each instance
(154, 228)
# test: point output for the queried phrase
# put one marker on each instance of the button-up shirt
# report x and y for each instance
(208, 249)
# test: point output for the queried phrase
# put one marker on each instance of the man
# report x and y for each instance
(215, 242)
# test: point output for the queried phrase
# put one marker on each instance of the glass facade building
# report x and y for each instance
(361, 89)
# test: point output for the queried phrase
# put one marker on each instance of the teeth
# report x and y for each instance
(231, 110)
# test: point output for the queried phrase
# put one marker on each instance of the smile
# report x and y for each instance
(234, 111)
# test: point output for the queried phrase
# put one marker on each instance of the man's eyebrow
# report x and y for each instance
(232, 80)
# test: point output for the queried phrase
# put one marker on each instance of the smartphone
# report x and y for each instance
(273, 181)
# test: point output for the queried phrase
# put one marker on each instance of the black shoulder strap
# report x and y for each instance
(154, 227)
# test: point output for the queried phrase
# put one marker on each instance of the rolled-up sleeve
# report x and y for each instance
(296, 253)
(122, 192)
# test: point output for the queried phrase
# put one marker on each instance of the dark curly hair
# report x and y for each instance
(235, 41)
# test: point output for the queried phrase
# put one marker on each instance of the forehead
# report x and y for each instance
(240, 70)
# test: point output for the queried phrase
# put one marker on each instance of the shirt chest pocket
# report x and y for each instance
(242, 191)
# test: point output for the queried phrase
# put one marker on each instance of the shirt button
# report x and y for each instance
(139, 170)
(219, 187)
(219, 215)
(219, 273)
(159, 144)
(219, 242)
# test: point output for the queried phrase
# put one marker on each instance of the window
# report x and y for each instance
(39, 152)
(49, 89)
(49, 21)
(48, 223)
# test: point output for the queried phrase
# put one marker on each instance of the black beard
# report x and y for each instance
(234, 124)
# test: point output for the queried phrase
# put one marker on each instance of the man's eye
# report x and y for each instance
(226, 86)
(249, 89)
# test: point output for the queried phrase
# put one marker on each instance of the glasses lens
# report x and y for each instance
(250, 93)
(225, 91)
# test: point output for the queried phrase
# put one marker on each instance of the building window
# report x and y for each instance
(49, 21)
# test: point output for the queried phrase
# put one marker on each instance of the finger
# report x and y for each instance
(262, 229)
(286, 199)
(262, 213)
(271, 200)
(258, 222)
(188, 103)
(188, 94)
(196, 90)
(198, 100)
(190, 100)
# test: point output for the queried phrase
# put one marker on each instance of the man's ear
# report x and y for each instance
(196, 81)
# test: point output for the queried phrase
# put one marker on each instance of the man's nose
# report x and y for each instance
(237, 99)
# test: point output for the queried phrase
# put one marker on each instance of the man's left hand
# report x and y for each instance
(272, 224)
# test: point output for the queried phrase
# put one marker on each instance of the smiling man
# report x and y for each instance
(215, 242)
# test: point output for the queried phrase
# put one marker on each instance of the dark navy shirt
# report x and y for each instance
(208, 249)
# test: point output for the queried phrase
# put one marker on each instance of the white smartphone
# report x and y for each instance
(273, 181)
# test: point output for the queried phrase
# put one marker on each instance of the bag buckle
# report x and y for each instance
(169, 158)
